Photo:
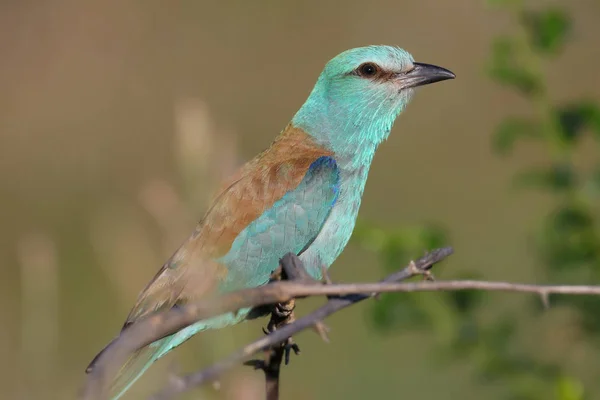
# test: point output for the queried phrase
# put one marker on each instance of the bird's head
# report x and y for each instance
(359, 94)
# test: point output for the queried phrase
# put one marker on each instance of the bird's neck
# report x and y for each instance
(353, 136)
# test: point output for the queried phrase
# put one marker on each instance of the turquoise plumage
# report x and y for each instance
(301, 195)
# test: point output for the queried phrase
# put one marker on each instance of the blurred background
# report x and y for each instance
(117, 119)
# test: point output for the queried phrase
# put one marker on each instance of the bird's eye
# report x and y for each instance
(368, 70)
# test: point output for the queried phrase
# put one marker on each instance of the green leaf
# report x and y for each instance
(503, 50)
(547, 29)
(505, 69)
(569, 239)
(465, 301)
(576, 117)
(592, 185)
(396, 248)
(587, 306)
(558, 177)
(512, 129)
(525, 82)
(431, 237)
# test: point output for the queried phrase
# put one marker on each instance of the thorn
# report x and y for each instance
(255, 364)
(545, 299)
(265, 331)
(428, 276)
(414, 270)
(322, 330)
(326, 278)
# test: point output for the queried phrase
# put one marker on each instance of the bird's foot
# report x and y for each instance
(282, 312)
(290, 268)
(288, 346)
(281, 315)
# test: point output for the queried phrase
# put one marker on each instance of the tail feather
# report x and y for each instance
(143, 358)
(136, 365)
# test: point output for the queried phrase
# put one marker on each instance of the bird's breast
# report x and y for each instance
(338, 227)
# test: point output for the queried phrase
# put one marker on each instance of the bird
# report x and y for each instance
(300, 195)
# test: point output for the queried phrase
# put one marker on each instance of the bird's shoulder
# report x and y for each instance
(256, 187)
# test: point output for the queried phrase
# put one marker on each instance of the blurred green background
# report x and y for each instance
(117, 119)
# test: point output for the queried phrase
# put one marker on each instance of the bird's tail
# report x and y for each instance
(141, 360)
(135, 366)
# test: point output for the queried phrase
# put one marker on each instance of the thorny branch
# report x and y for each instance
(284, 333)
(169, 322)
(166, 323)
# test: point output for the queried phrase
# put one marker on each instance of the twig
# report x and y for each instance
(160, 325)
(166, 323)
(282, 314)
(419, 267)
(339, 303)
(169, 322)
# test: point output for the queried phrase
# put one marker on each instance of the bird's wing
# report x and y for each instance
(277, 203)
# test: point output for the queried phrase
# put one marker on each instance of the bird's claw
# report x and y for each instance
(428, 276)
(288, 346)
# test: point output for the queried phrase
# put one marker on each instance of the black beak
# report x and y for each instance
(424, 74)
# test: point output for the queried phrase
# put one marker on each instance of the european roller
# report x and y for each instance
(300, 195)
